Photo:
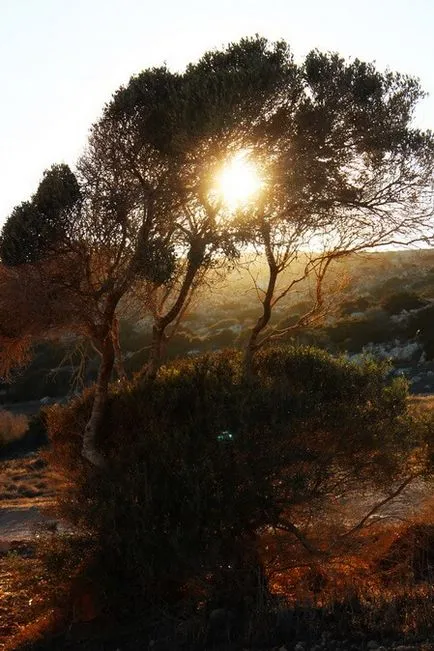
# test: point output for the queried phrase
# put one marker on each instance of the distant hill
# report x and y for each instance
(385, 308)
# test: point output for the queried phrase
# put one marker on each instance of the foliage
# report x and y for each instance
(202, 460)
(343, 169)
(353, 334)
(39, 227)
(12, 426)
(420, 325)
(396, 303)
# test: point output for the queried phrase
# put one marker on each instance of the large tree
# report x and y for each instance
(343, 170)
(192, 123)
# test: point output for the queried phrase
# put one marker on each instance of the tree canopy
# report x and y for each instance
(343, 169)
(41, 226)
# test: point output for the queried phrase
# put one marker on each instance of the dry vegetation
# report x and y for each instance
(374, 593)
(26, 481)
(380, 588)
(12, 426)
(377, 587)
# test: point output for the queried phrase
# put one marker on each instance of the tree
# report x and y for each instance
(192, 123)
(82, 253)
(345, 171)
(39, 227)
(38, 269)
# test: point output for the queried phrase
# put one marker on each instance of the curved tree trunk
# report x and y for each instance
(119, 362)
(157, 345)
(253, 344)
(89, 450)
(159, 338)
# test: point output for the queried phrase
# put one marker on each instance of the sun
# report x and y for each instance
(238, 181)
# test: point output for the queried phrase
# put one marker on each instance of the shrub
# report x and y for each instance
(12, 426)
(202, 460)
(396, 303)
(354, 333)
(411, 554)
(28, 440)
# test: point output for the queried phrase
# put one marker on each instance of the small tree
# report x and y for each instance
(39, 227)
(84, 263)
(345, 171)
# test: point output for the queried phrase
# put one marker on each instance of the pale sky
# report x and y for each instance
(61, 60)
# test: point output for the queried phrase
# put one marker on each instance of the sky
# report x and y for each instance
(61, 60)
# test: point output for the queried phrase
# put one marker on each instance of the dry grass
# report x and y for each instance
(12, 426)
(421, 403)
(347, 596)
(382, 584)
(22, 597)
(26, 481)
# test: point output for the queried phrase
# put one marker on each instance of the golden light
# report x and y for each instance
(239, 180)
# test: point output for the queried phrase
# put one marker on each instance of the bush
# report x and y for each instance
(400, 301)
(411, 555)
(353, 334)
(33, 437)
(12, 426)
(202, 460)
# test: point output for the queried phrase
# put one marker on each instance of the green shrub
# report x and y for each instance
(353, 334)
(202, 460)
(396, 303)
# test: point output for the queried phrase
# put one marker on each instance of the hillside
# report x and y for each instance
(380, 303)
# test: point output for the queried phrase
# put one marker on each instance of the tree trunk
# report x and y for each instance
(89, 450)
(119, 362)
(248, 359)
(262, 322)
(157, 345)
(196, 257)
(265, 317)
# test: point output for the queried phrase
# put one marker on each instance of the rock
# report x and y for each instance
(299, 647)
(372, 644)
(404, 647)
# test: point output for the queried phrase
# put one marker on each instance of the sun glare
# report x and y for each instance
(238, 181)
